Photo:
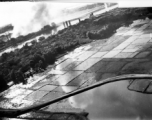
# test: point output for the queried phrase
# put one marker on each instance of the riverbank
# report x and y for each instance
(14, 42)
(86, 31)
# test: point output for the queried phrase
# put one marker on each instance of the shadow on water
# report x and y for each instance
(113, 101)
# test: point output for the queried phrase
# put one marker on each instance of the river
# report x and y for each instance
(74, 18)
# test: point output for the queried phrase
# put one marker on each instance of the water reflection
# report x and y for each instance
(114, 101)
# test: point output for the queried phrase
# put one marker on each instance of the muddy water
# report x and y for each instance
(113, 101)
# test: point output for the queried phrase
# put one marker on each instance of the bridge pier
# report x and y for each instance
(69, 23)
(64, 24)
(79, 20)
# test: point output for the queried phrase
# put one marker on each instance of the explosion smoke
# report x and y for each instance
(41, 14)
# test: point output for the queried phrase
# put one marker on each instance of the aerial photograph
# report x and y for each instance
(78, 60)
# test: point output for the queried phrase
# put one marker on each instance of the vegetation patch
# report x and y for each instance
(47, 50)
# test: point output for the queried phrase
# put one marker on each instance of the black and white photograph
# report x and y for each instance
(76, 60)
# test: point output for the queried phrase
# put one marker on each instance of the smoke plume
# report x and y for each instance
(41, 14)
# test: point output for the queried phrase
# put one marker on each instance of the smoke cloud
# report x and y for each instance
(27, 17)
(40, 14)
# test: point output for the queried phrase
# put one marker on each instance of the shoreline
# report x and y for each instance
(83, 17)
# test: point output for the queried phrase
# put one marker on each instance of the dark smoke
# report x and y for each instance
(42, 15)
